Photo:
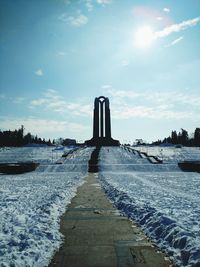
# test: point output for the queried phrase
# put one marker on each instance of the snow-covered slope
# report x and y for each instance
(165, 202)
(160, 197)
(31, 204)
(171, 154)
(123, 160)
(38, 154)
(76, 161)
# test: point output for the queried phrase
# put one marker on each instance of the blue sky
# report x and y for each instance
(58, 55)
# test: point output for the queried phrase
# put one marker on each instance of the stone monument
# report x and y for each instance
(102, 124)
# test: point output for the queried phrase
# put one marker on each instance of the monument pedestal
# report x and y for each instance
(102, 141)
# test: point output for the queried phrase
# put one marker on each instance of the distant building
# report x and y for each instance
(69, 142)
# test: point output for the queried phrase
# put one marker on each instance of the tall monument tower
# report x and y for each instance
(102, 124)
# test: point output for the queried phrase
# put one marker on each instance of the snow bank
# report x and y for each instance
(31, 205)
(165, 204)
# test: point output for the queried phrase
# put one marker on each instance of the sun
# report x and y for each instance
(144, 36)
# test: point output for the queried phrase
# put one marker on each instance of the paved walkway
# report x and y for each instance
(97, 236)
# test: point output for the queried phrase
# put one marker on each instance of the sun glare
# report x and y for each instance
(144, 36)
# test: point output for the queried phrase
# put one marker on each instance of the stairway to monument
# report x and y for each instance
(72, 162)
(118, 159)
(93, 162)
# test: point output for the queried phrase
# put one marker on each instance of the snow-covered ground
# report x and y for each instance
(38, 154)
(31, 204)
(164, 200)
(171, 154)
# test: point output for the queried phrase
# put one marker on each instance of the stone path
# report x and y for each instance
(97, 236)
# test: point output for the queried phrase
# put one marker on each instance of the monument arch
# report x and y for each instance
(102, 124)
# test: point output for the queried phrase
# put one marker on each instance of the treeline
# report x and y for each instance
(18, 138)
(182, 138)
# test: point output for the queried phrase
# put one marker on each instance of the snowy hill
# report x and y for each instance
(160, 197)
(163, 199)
(31, 204)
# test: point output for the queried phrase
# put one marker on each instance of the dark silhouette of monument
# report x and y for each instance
(102, 124)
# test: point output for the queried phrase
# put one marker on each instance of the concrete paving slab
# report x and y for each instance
(96, 235)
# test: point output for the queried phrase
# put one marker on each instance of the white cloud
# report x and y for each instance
(158, 105)
(78, 21)
(37, 102)
(89, 5)
(51, 93)
(103, 2)
(159, 18)
(166, 9)
(127, 112)
(106, 86)
(39, 72)
(42, 127)
(61, 53)
(158, 97)
(75, 21)
(176, 27)
(175, 41)
(51, 100)
(153, 112)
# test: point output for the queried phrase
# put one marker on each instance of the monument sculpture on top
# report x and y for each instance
(102, 124)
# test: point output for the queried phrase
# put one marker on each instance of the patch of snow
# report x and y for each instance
(164, 202)
(31, 205)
